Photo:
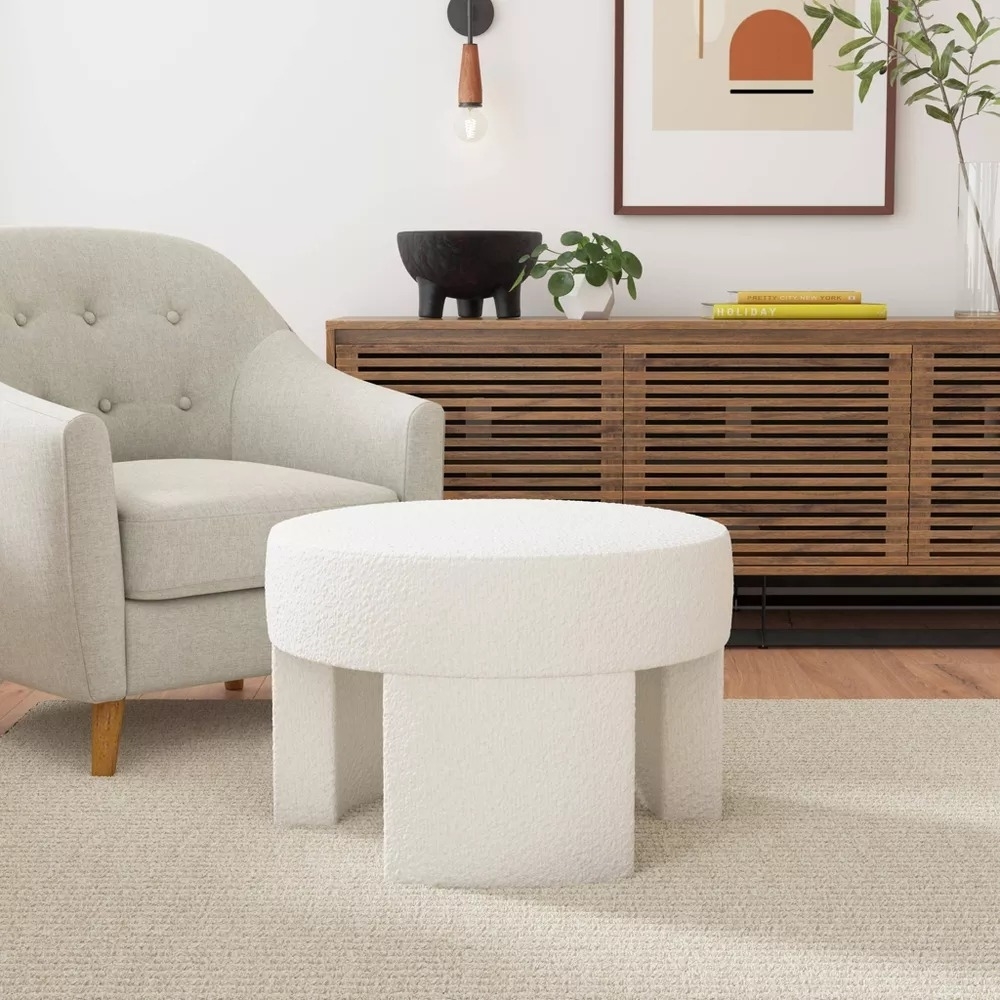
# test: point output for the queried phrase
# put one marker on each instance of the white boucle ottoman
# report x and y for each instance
(515, 668)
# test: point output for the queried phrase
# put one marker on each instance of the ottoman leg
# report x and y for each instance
(327, 733)
(509, 782)
(678, 755)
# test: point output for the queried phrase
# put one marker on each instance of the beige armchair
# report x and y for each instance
(157, 418)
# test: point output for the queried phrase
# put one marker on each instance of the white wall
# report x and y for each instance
(298, 137)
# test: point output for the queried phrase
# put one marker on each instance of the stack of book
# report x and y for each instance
(795, 305)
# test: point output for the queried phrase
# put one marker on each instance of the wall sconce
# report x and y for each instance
(470, 18)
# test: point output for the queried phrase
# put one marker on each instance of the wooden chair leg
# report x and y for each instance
(105, 733)
(234, 685)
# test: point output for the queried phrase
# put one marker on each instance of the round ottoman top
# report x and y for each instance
(499, 588)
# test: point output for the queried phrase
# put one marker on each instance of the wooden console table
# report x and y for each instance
(825, 447)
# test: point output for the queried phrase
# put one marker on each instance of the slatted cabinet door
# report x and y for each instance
(800, 450)
(522, 421)
(955, 475)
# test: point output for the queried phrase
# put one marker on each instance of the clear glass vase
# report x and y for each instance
(979, 240)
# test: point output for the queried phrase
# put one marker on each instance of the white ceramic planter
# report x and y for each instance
(588, 301)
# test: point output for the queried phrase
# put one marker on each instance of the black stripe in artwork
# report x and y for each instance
(755, 91)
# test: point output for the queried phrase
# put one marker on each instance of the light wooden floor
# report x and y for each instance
(750, 673)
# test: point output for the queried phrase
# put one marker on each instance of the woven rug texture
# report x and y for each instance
(859, 857)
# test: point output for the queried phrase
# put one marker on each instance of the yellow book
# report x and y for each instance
(797, 298)
(729, 310)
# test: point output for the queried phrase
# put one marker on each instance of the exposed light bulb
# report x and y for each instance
(471, 124)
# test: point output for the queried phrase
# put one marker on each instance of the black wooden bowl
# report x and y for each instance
(468, 265)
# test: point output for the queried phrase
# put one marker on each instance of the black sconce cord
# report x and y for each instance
(471, 35)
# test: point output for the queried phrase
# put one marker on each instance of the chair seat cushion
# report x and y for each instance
(200, 526)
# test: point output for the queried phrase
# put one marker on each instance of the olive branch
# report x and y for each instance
(944, 63)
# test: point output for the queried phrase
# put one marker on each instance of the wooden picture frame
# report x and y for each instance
(860, 159)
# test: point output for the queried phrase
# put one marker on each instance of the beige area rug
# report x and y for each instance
(859, 857)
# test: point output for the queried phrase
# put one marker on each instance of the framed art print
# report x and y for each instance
(723, 107)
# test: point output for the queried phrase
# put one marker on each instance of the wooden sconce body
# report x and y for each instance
(470, 82)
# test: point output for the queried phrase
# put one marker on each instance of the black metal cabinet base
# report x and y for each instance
(765, 610)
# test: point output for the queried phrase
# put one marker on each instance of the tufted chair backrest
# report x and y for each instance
(148, 332)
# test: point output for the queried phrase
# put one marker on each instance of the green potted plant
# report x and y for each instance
(582, 278)
(941, 61)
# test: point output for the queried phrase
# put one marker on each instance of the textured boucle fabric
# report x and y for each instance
(856, 860)
(509, 782)
(499, 587)
(509, 632)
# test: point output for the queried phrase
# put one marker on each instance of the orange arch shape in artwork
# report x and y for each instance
(771, 45)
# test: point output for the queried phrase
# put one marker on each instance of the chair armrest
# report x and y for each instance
(290, 408)
(62, 600)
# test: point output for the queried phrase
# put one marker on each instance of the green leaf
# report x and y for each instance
(538, 251)
(876, 16)
(596, 274)
(565, 258)
(914, 74)
(524, 259)
(821, 31)
(540, 270)
(631, 265)
(595, 253)
(855, 43)
(520, 280)
(965, 22)
(866, 85)
(846, 17)
(812, 11)
(919, 95)
(560, 283)
(985, 65)
(571, 239)
(944, 64)
(979, 8)
(936, 113)
(631, 286)
(558, 304)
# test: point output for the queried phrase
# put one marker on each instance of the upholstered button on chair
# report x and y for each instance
(157, 418)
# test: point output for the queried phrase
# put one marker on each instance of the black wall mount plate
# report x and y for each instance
(482, 16)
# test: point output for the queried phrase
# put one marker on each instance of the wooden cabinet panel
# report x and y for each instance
(955, 503)
(802, 450)
(796, 435)
(524, 419)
